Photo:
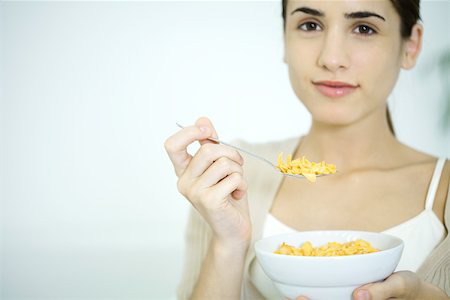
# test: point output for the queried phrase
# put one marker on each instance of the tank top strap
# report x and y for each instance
(431, 195)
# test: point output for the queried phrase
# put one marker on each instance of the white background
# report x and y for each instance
(89, 93)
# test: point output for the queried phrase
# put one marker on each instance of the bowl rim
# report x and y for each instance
(258, 249)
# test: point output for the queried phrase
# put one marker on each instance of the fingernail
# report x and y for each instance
(362, 295)
(204, 129)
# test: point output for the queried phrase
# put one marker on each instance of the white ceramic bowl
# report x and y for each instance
(332, 277)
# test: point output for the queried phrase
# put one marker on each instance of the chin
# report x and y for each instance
(334, 117)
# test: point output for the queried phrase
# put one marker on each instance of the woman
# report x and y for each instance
(344, 58)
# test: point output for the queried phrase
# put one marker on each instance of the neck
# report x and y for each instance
(361, 145)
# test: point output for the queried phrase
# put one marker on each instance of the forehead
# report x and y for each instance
(384, 7)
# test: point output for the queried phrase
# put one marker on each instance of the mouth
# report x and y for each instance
(335, 89)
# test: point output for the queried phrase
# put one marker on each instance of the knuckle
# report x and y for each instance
(237, 177)
(168, 146)
(181, 186)
(241, 171)
(190, 191)
(224, 163)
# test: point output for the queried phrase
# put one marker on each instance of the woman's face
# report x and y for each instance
(343, 56)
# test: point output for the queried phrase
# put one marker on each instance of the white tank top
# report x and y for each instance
(420, 234)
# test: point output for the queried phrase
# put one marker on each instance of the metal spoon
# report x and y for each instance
(300, 176)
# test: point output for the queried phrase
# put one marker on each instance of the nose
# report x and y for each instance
(333, 55)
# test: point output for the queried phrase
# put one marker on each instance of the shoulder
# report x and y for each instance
(439, 169)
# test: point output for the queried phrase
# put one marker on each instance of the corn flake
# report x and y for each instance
(302, 166)
(330, 249)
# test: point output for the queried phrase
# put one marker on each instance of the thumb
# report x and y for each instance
(204, 122)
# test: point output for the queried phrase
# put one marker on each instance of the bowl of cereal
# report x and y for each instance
(327, 264)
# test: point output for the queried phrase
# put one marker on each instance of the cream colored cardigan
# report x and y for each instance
(263, 184)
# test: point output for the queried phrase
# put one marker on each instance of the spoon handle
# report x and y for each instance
(239, 149)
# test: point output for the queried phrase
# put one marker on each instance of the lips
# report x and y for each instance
(335, 89)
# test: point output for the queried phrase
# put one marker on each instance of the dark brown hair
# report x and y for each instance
(409, 12)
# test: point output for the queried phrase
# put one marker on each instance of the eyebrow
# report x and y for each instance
(353, 15)
(309, 11)
(363, 14)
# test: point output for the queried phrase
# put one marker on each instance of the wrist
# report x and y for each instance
(230, 248)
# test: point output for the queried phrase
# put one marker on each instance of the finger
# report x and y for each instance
(176, 145)
(361, 293)
(208, 154)
(395, 286)
(204, 122)
(238, 194)
(220, 169)
(215, 177)
(229, 184)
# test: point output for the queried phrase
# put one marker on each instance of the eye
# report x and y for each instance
(364, 30)
(309, 26)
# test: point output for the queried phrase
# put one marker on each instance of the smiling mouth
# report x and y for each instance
(334, 89)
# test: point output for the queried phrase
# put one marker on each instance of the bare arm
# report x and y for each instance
(222, 272)
(212, 181)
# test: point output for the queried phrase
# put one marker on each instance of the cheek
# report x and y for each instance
(300, 64)
(378, 71)
(299, 81)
